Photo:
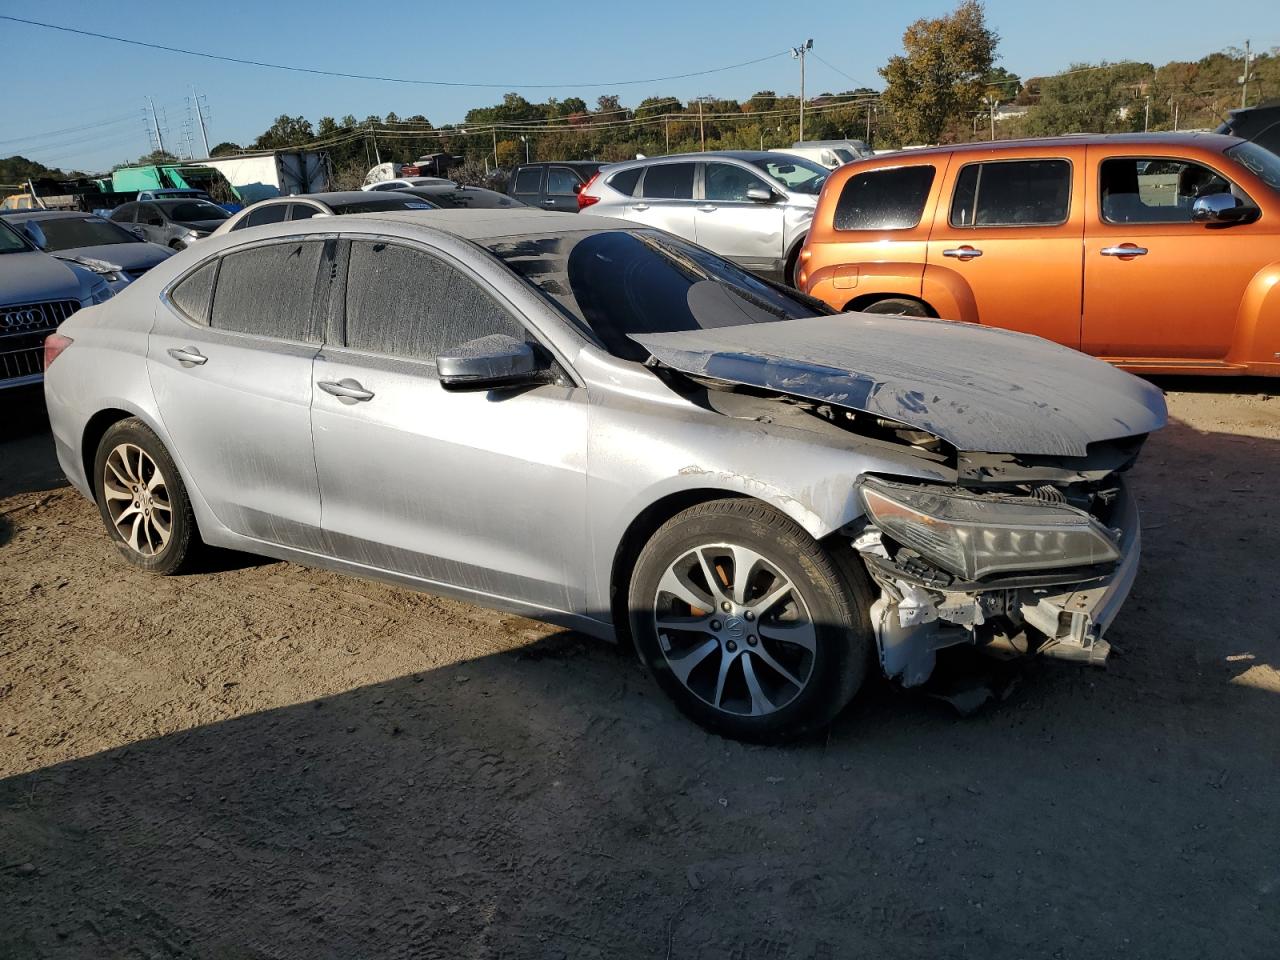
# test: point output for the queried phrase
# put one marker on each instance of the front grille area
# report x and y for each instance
(23, 328)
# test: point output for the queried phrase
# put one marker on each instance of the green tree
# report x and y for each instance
(937, 83)
(285, 132)
(1092, 98)
(225, 148)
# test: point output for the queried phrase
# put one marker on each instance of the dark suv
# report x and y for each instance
(551, 184)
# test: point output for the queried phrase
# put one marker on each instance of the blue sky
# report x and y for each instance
(56, 81)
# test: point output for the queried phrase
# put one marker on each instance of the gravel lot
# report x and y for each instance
(266, 761)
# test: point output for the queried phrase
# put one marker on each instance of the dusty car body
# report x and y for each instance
(170, 223)
(91, 242)
(950, 484)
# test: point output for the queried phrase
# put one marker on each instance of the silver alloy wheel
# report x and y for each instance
(734, 629)
(137, 499)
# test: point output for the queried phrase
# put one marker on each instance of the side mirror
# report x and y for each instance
(761, 194)
(137, 231)
(489, 363)
(1221, 208)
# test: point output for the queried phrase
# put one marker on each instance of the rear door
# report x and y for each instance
(154, 226)
(1156, 285)
(664, 199)
(748, 232)
(560, 189)
(230, 359)
(479, 490)
(1009, 234)
(526, 186)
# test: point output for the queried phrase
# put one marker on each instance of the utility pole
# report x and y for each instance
(1146, 116)
(494, 131)
(1175, 116)
(377, 157)
(797, 53)
(204, 134)
(155, 123)
(1244, 77)
(702, 131)
(991, 102)
(868, 140)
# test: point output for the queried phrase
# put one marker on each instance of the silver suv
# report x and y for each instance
(752, 207)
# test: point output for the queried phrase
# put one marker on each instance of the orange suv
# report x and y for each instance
(1157, 252)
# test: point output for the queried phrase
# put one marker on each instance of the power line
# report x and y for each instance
(835, 68)
(408, 80)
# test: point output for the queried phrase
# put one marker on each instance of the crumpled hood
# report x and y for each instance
(33, 277)
(126, 256)
(978, 388)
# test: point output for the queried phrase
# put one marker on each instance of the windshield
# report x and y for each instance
(619, 282)
(795, 173)
(379, 203)
(469, 197)
(10, 242)
(185, 211)
(1259, 160)
(68, 233)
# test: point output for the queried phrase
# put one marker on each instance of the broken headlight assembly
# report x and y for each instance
(973, 535)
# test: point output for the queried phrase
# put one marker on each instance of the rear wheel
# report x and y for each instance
(747, 622)
(899, 306)
(142, 499)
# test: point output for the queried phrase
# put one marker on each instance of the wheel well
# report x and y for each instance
(94, 430)
(793, 256)
(642, 528)
(867, 299)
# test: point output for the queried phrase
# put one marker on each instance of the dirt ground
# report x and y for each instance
(266, 761)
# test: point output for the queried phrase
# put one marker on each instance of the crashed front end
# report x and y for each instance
(1023, 556)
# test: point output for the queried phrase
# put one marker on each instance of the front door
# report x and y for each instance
(748, 232)
(230, 358)
(1008, 235)
(479, 490)
(560, 192)
(664, 199)
(1156, 285)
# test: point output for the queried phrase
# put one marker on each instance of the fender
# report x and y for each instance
(1257, 338)
(949, 294)
(838, 284)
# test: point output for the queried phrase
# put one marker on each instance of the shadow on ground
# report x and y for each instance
(548, 803)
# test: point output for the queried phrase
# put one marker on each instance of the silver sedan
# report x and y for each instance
(604, 426)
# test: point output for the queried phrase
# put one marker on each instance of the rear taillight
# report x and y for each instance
(54, 344)
(585, 199)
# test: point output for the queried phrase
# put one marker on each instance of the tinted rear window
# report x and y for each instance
(187, 211)
(528, 179)
(625, 182)
(468, 198)
(379, 203)
(68, 233)
(268, 290)
(669, 181)
(1012, 193)
(884, 199)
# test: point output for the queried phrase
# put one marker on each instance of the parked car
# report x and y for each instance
(1159, 253)
(335, 204)
(401, 182)
(829, 153)
(37, 292)
(752, 207)
(551, 185)
(1260, 123)
(96, 244)
(170, 223)
(451, 196)
(600, 424)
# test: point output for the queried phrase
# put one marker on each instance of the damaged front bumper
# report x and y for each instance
(916, 615)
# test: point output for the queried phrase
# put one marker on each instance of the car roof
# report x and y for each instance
(504, 222)
(332, 196)
(50, 215)
(697, 155)
(1209, 141)
(563, 163)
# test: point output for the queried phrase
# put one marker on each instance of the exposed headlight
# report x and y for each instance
(972, 536)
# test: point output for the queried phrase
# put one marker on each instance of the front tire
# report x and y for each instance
(142, 499)
(748, 623)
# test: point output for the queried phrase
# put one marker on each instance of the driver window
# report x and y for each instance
(725, 182)
(407, 303)
(1154, 190)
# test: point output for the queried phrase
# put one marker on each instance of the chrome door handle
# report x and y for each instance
(708, 208)
(346, 389)
(962, 253)
(1123, 251)
(548, 201)
(639, 206)
(188, 356)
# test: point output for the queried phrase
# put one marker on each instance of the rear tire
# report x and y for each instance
(897, 306)
(771, 650)
(142, 499)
